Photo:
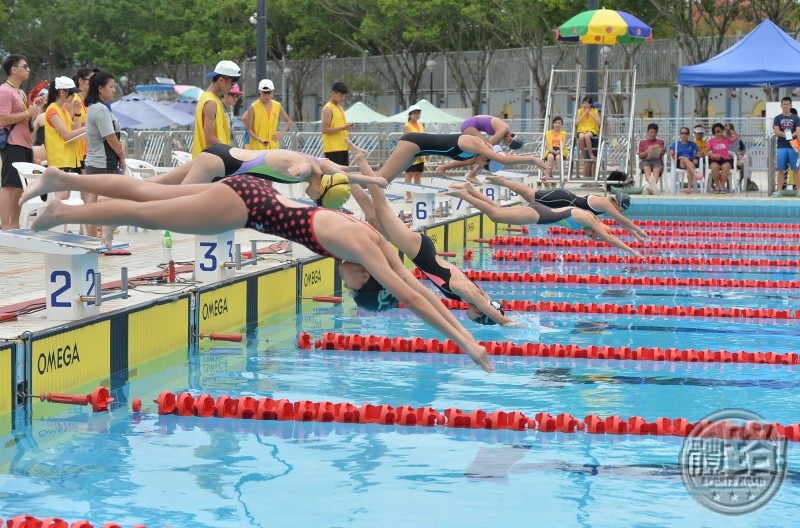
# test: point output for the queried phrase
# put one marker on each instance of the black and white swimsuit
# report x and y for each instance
(556, 198)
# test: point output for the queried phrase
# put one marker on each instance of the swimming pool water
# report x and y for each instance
(186, 471)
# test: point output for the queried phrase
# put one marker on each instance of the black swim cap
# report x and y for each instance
(623, 199)
(374, 297)
(485, 319)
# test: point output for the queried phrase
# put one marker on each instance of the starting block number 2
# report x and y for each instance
(61, 297)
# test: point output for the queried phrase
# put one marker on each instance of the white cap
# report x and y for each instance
(65, 83)
(414, 108)
(265, 85)
(227, 68)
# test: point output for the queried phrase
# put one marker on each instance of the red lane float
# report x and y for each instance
(503, 276)
(29, 521)
(374, 343)
(652, 244)
(641, 309)
(557, 230)
(99, 399)
(309, 411)
(528, 256)
(326, 298)
(708, 223)
(234, 338)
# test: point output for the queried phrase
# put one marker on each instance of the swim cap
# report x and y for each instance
(515, 143)
(334, 190)
(485, 319)
(623, 199)
(374, 297)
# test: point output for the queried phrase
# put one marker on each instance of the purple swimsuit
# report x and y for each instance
(482, 122)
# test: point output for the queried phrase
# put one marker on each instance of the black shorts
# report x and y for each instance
(417, 167)
(342, 157)
(9, 177)
(107, 170)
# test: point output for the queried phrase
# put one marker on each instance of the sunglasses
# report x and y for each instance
(266, 91)
(234, 95)
(684, 132)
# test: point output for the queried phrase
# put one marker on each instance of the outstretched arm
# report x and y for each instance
(627, 224)
(455, 164)
(587, 219)
(385, 266)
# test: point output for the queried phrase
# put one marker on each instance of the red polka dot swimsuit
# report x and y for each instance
(265, 213)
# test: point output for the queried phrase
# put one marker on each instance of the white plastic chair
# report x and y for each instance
(699, 176)
(663, 172)
(30, 171)
(734, 172)
(755, 159)
(139, 167)
(180, 157)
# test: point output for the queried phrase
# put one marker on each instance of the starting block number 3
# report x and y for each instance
(209, 261)
(210, 253)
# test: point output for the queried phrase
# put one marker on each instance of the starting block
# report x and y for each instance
(213, 257)
(423, 201)
(70, 269)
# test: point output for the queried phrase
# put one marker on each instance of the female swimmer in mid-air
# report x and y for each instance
(455, 146)
(593, 203)
(247, 201)
(418, 247)
(536, 213)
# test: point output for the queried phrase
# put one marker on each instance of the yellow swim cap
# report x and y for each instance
(334, 190)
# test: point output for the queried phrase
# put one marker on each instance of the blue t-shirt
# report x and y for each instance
(687, 150)
(783, 122)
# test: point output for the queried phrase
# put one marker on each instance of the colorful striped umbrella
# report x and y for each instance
(604, 26)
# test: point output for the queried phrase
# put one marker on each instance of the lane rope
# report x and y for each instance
(651, 244)
(377, 343)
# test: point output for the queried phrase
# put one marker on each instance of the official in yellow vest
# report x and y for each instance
(261, 119)
(335, 128)
(210, 124)
(61, 126)
(414, 172)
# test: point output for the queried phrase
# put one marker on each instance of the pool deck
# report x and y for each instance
(22, 272)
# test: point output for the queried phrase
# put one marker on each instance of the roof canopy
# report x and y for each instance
(430, 114)
(767, 56)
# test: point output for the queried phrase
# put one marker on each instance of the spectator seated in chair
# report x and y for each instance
(651, 163)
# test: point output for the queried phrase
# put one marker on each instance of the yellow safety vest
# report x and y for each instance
(265, 125)
(221, 127)
(419, 127)
(59, 153)
(335, 142)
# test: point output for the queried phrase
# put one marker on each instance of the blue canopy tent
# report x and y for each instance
(766, 57)
(151, 115)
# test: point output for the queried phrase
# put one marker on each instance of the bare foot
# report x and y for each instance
(497, 180)
(442, 171)
(688, 191)
(46, 183)
(48, 217)
(461, 185)
(108, 236)
(480, 357)
(474, 180)
(355, 149)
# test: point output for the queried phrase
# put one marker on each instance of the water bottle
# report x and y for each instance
(166, 247)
